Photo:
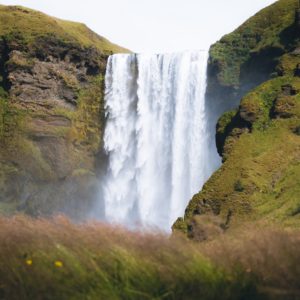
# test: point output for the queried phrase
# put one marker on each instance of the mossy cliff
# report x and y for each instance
(51, 112)
(260, 140)
(249, 56)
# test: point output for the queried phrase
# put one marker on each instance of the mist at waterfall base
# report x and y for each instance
(158, 140)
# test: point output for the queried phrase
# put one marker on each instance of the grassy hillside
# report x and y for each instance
(28, 25)
(260, 176)
(56, 259)
(266, 34)
(260, 140)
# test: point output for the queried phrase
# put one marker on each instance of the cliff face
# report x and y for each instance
(259, 141)
(51, 112)
(245, 58)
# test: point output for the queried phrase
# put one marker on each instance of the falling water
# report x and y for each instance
(156, 137)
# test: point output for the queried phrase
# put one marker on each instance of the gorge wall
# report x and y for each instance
(51, 113)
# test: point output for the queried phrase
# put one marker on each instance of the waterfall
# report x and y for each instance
(156, 137)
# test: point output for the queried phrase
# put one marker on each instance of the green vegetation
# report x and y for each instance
(259, 141)
(59, 260)
(89, 117)
(49, 150)
(260, 176)
(26, 25)
(265, 34)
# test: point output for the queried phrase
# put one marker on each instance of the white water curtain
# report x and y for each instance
(156, 137)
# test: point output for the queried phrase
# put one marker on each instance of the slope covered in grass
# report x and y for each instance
(259, 140)
(267, 33)
(248, 56)
(28, 25)
(260, 176)
(42, 259)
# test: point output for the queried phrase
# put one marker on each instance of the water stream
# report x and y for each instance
(156, 137)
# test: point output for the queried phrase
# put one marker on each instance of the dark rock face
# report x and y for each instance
(44, 81)
(51, 71)
(88, 60)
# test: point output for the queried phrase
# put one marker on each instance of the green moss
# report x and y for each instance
(88, 120)
(70, 81)
(262, 32)
(225, 120)
(82, 172)
(258, 103)
(20, 62)
(260, 178)
(288, 64)
(15, 144)
(32, 156)
(180, 226)
(12, 120)
(64, 112)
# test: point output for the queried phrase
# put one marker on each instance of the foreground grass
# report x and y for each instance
(55, 259)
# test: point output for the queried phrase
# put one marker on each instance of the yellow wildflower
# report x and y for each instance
(29, 262)
(58, 264)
